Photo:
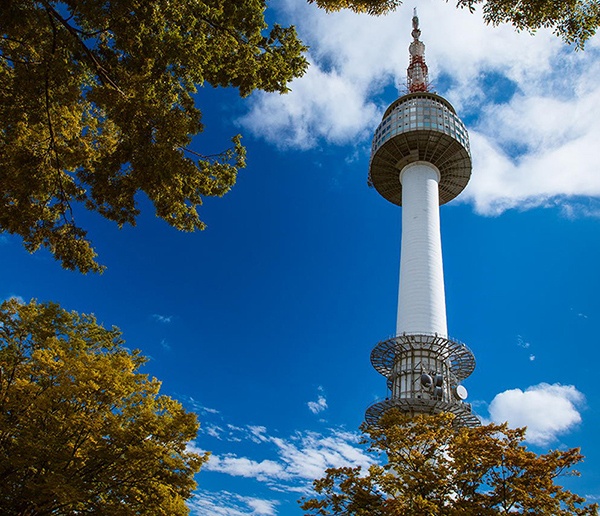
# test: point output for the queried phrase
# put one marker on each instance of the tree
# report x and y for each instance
(575, 21)
(82, 431)
(436, 468)
(96, 105)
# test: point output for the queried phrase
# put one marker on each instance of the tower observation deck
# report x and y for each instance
(420, 159)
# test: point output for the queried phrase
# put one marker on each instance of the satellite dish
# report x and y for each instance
(439, 380)
(460, 392)
(426, 381)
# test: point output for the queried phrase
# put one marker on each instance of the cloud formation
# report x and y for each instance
(224, 503)
(199, 408)
(522, 343)
(296, 460)
(165, 319)
(530, 102)
(283, 463)
(263, 471)
(317, 406)
(547, 410)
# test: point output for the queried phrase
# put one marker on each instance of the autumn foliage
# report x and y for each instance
(82, 431)
(433, 468)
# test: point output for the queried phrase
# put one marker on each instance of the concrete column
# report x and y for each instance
(421, 298)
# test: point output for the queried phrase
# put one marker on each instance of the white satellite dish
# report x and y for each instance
(461, 392)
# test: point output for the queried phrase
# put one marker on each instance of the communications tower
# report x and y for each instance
(420, 159)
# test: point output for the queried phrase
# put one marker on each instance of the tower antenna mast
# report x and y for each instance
(417, 74)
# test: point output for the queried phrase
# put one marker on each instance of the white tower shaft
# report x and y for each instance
(421, 297)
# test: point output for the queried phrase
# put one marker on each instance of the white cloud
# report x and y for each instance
(229, 432)
(244, 467)
(213, 430)
(311, 112)
(536, 150)
(531, 102)
(162, 318)
(332, 102)
(224, 503)
(310, 454)
(522, 343)
(291, 463)
(258, 433)
(547, 410)
(263, 507)
(199, 408)
(317, 406)
(192, 447)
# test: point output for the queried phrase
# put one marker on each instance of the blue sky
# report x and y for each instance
(264, 322)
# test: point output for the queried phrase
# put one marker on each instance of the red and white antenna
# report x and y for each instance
(417, 73)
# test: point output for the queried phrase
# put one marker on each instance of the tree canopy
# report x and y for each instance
(575, 21)
(433, 467)
(82, 431)
(96, 105)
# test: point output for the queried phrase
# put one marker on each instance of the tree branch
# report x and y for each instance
(53, 148)
(11, 60)
(204, 156)
(234, 34)
(102, 72)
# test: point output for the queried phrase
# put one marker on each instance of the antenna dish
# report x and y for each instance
(461, 392)
(426, 381)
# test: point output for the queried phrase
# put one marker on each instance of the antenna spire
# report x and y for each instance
(417, 73)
